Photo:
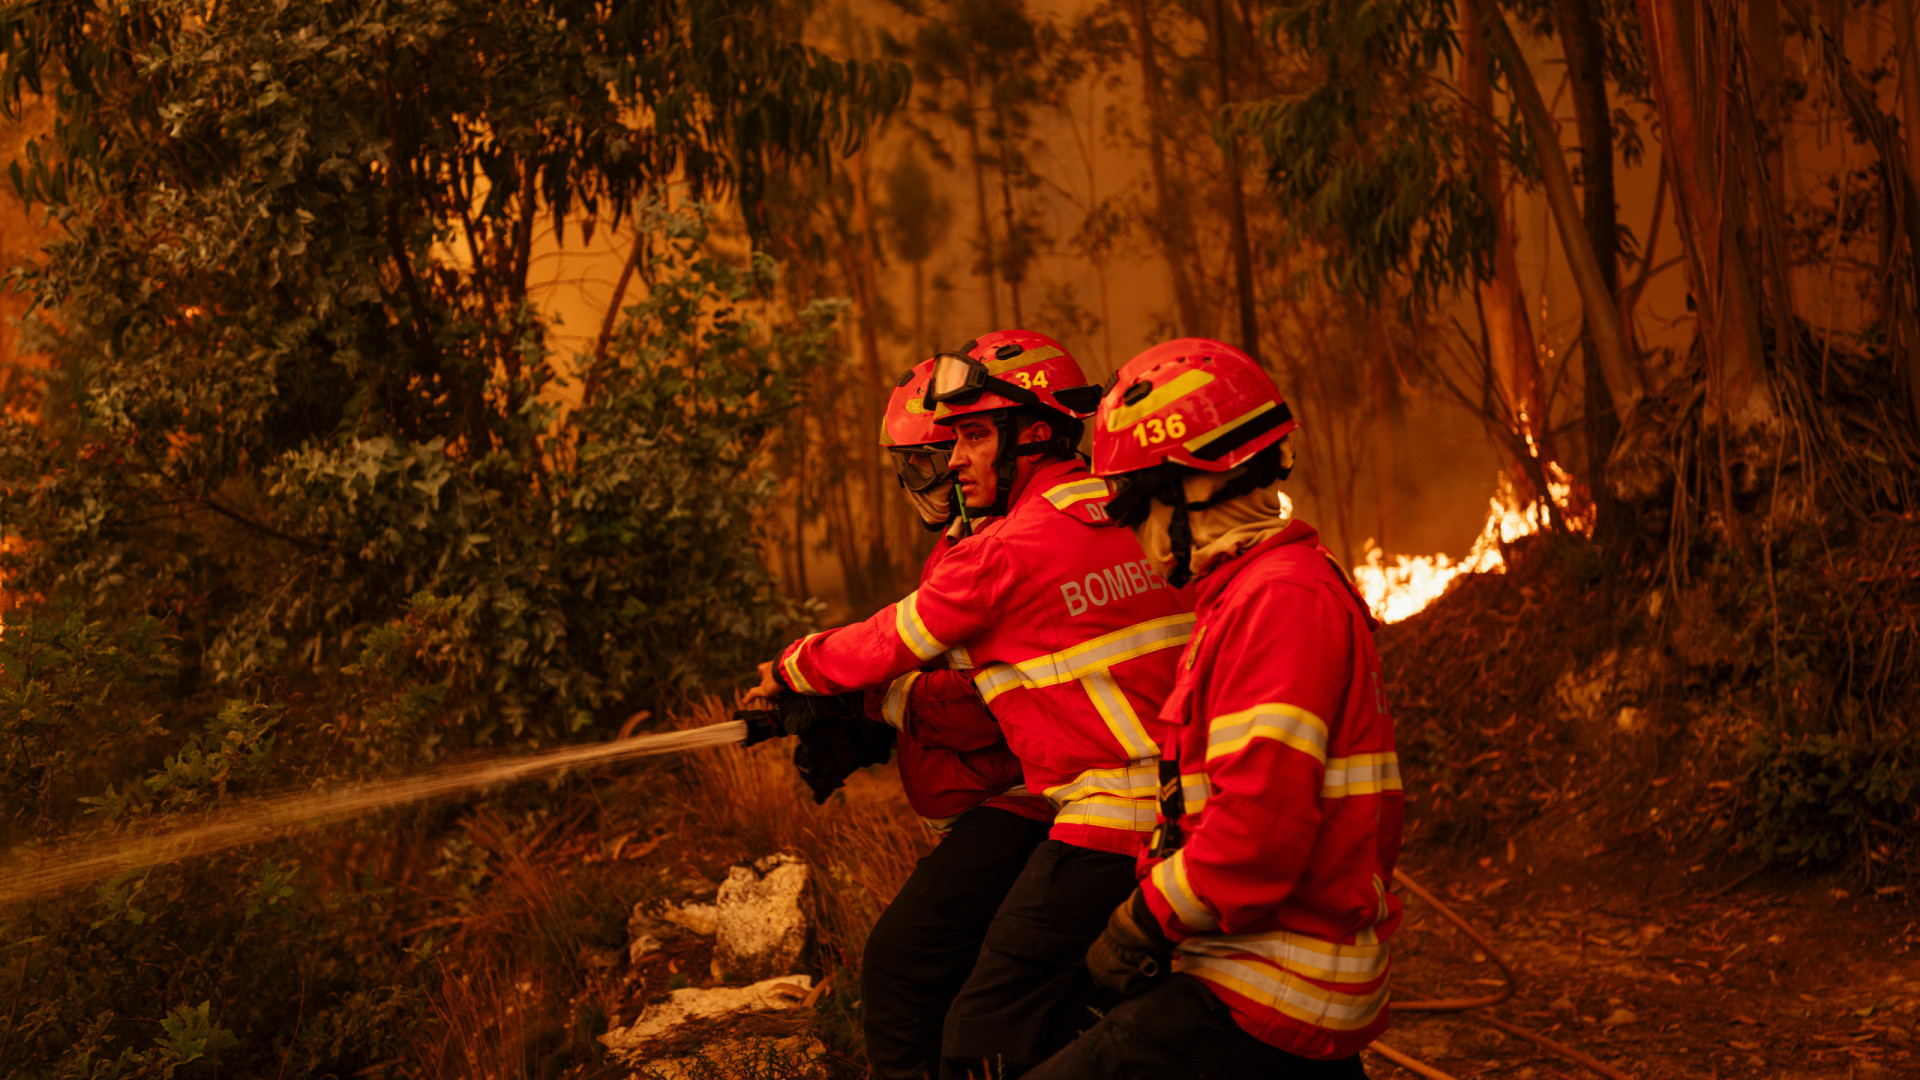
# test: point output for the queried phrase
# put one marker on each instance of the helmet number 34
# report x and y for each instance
(1154, 431)
(1030, 379)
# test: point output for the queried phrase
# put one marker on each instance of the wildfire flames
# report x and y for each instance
(1414, 581)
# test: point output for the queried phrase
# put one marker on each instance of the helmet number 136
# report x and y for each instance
(1153, 431)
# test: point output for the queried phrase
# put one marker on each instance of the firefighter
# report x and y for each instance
(1264, 891)
(959, 777)
(1071, 640)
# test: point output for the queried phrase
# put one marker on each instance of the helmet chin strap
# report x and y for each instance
(1006, 468)
(1251, 477)
(1180, 536)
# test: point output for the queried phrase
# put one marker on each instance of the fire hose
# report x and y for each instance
(86, 861)
(1471, 1004)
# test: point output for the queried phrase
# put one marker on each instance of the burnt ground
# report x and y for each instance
(1578, 751)
(1658, 971)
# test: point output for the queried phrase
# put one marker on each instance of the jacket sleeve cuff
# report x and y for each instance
(787, 671)
(1175, 906)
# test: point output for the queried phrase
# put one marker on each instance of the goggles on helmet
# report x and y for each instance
(922, 468)
(960, 380)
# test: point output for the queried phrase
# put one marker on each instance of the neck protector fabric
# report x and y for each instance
(1217, 533)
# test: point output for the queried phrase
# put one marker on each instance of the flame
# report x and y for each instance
(1414, 581)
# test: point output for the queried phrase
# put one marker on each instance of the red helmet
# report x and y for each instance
(1194, 402)
(1009, 369)
(908, 421)
(918, 445)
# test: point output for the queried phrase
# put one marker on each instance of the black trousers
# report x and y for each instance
(925, 943)
(1178, 1028)
(1030, 994)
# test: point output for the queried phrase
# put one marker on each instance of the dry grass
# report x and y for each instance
(535, 964)
(862, 844)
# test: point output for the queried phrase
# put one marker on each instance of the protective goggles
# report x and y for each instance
(960, 380)
(922, 468)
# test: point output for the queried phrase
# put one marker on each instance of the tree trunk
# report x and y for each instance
(1907, 31)
(1015, 267)
(1587, 77)
(1722, 285)
(857, 249)
(1172, 229)
(1602, 313)
(920, 342)
(1236, 199)
(985, 267)
(1515, 356)
(1766, 62)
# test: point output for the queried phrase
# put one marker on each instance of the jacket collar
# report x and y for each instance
(1212, 584)
(1044, 478)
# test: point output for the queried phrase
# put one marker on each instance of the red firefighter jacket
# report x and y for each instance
(1071, 639)
(952, 756)
(1292, 806)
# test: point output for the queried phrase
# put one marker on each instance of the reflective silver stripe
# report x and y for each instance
(1067, 494)
(1087, 657)
(1106, 650)
(1170, 877)
(1300, 954)
(959, 659)
(913, 630)
(1288, 993)
(1361, 774)
(1134, 816)
(1289, 724)
(994, 679)
(1194, 789)
(893, 709)
(1136, 780)
(1118, 712)
(791, 665)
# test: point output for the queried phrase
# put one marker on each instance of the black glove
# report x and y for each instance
(1133, 952)
(791, 713)
(832, 748)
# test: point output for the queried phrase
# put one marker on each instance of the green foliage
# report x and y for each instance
(308, 491)
(1818, 798)
(1366, 155)
(67, 683)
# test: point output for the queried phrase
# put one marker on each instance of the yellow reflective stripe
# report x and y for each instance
(1087, 657)
(1135, 780)
(1026, 358)
(1123, 416)
(1287, 993)
(791, 666)
(1361, 774)
(1118, 712)
(893, 709)
(1299, 953)
(1194, 789)
(1170, 877)
(913, 630)
(1110, 812)
(1381, 911)
(1198, 441)
(995, 679)
(959, 659)
(1076, 491)
(1289, 724)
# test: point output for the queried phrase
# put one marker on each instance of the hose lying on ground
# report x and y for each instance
(1447, 1005)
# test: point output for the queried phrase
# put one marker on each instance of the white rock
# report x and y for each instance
(682, 1006)
(762, 921)
(700, 919)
